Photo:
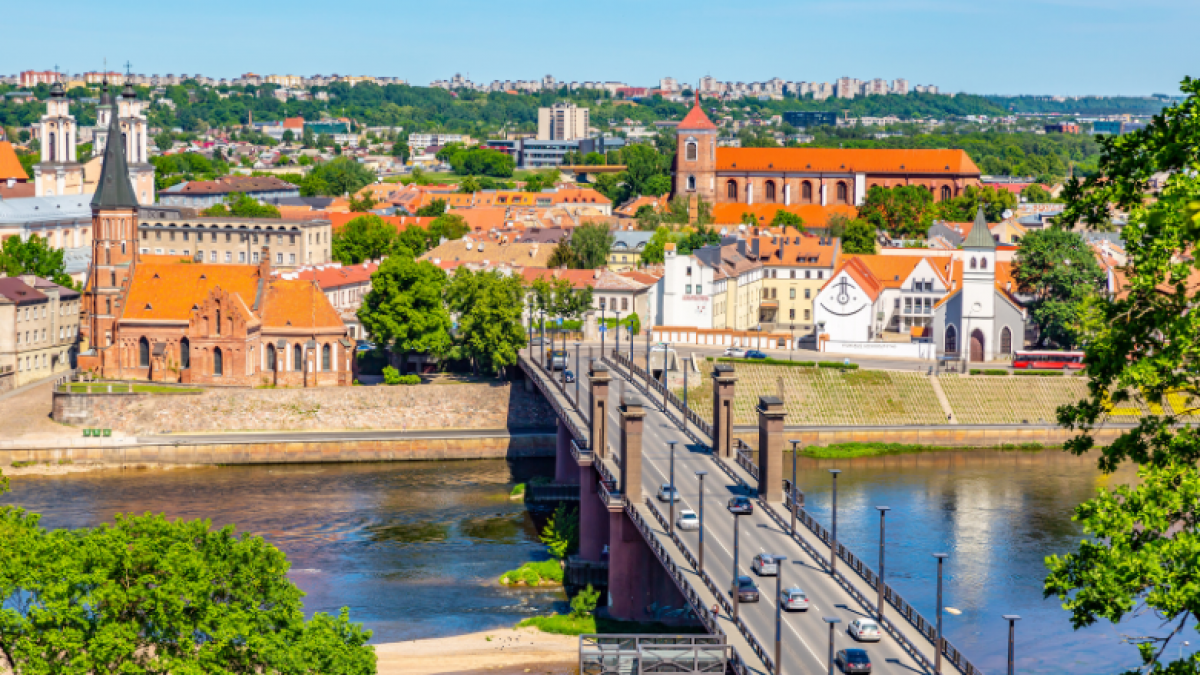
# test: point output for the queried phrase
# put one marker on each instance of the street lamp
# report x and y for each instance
(833, 539)
(734, 586)
(578, 348)
(647, 354)
(672, 481)
(666, 372)
(617, 332)
(779, 560)
(1012, 620)
(687, 364)
(701, 475)
(542, 344)
(603, 328)
(795, 498)
(832, 621)
(792, 344)
(937, 646)
(882, 593)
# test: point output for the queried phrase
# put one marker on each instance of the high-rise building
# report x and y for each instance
(563, 122)
(900, 86)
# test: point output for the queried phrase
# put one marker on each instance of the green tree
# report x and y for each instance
(367, 237)
(1142, 542)
(242, 205)
(288, 136)
(148, 595)
(362, 202)
(785, 218)
(401, 150)
(164, 141)
(653, 253)
(557, 298)
(448, 226)
(542, 180)
(1036, 194)
(488, 305)
(591, 243)
(643, 164)
(564, 256)
(904, 212)
(611, 186)
(339, 177)
(561, 534)
(405, 309)
(1058, 268)
(961, 209)
(698, 238)
(584, 603)
(34, 256)
(435, 207)
(469, 185)
(858, 237)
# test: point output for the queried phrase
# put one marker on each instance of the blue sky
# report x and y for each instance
(1007, 47)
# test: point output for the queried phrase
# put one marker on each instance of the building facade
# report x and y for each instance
(58, 172)
(39, 328)
(233, 240)
(562, 122)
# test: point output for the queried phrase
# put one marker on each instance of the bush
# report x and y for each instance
(534, 573)
(584, 602)
(518, 490)
(561, 534)
(839, 366)
(391, 376)
(409, 379)
(990, 371)
(561, 625)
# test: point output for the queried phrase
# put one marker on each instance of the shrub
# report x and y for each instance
(518, 490)
(561, 534)
(534, 573)
(835, 364)
(584, 602)
(989, 371)
(391, 376)
(409, 379)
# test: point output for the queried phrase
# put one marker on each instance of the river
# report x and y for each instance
(414, 548)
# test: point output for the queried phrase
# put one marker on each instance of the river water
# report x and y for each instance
(414, 548)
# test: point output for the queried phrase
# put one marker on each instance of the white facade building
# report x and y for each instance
(687, 289)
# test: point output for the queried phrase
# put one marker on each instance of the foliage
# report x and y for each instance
(785, 218)
(147, 595)
(534, 573)
(904, 211)
(962, 209)
(560, 625)
(362, 202)
(404, 309)
(391, 376)
(541, 180)
(1058, 268)
(242, 205)
(481, 162)
(858, 237)
(368, 237)
(341, 176)
(1143, 543)
(561, 534)
(1036, 194)
(34, 256)
(435, 207)
(448, 226)
(469, 185)
(488, 306)
(592, 242)
(557, 298)
(564, 256)
(584, 602)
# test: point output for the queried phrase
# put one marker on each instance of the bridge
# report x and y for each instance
(616, 429)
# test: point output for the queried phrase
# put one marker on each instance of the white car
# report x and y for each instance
(864, 630)
(764, 565)
(666, 493)
(793, 599)
(687, 520)
(735, 352)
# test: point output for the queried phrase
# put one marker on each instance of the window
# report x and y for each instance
(228, 256)
(228, 237)
(213, 256)
(171, 236)
(158, 236)
(278, 258)
(731, 190)
(218, 362)
(158, 251)
(698, 291)
(951, 340)
(325, 358)
(842, 193)
(691, 151)
(218, 322)
(270, 358)
(145, 234)
(974, 265)
(983, 263)
(603, 300)
(241, 256)
(185, 353)
(791, 315)
(791, 294)
(687, 289)
(908, 305)
(691, 183)
(1006, 341)
(624, 304)
(806, 192)
(297, 358)
(292, 258)
(807, 293)
(806, 315)
(770, 191)
(254, 258)
(946, 192)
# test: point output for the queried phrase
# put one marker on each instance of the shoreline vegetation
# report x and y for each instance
(849, 450)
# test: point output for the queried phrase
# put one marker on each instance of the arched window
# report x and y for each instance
(946, 194)
(143, 353)
(1006, 341)
(951, 340)
(974, 264)
(185, 353)
(691, 183)
(841, 192)
(219, 320)
(769, 191)
(731, 190)
(325, 357)
(270, 358)
(218, 363)
(806, 192)
(297, 358)
(691, 152)
(983, 263)
(51, 148)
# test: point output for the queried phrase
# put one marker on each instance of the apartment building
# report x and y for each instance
(562, 122)
(233, 240)
(39, 328)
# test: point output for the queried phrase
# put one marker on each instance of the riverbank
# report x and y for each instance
(848, 450)
(496, 652)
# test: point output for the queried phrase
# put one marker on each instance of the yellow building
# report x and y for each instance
(626, 251)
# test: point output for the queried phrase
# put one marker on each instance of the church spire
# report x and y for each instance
(980, 237)
(114, 191)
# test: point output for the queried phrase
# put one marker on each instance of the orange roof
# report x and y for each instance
(339, 220)
(838, 160)
(789, 248)
(298, 303)
(165, 288)
(482, 219)
(293, 123)
(696, 120)
(10, 166)
(814, 215)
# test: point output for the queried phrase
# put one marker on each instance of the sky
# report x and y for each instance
(1062, 47)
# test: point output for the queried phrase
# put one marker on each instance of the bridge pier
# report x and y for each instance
(598, 380)
(633, 417)
(723, 383)
(639, 587)
(566, 471)
(593, 516)
(770, 448)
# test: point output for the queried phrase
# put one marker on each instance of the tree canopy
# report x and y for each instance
(405, 309)
(904, 211)
(34, 256)
(489, 307)
(242, 205)
(340, 176)
(1057, 268)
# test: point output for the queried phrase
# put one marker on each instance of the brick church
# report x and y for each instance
(806, 176)
(172, 319)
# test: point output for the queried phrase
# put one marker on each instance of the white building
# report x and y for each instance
(563, 122)
(687, 290)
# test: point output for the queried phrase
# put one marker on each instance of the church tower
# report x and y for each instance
(696, 157)
(979, 290)
(134, 131)
(114, 255)
(59, 172)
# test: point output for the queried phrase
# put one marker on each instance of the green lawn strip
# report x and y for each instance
(564, 624)
(124, 388)
(845, 450)
(543, 573)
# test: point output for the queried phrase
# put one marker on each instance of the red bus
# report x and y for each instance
(1048, 360)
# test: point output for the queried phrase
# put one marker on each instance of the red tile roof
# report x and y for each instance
(696, 120)
(165, 288)
(838, 160)
(10, 166)
(298, 303)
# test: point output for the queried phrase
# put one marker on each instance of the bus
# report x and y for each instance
(1048, 360)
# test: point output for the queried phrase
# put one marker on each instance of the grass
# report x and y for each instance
(127, 388)
(561, 624)
(847, 450)
(518, 490)
(534, 574)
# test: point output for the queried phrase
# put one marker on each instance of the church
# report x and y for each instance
(176, 319)
(790, 177)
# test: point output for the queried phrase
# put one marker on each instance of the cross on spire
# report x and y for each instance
(128, 66)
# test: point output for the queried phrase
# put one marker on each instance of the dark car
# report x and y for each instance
(741, 505)
(755, 354)
(570, 377)
(853, 661)
(747, 591)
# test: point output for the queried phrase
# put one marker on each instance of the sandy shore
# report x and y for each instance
(55, 469)
(508, 652)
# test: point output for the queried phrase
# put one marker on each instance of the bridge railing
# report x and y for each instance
(545, 382)
(745, 458)
(609, 493)
(655, 392)
(580, 450)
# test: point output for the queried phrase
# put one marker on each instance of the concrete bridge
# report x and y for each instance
(616, 429)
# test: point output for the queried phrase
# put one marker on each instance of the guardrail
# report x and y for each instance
(580, 451)
(635, 370)
(743, 456)
(550, 393)
(609, 494)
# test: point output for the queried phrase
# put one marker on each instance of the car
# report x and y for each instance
(864, 630)
(570, 377)
(364, 346)
(747, 590)
(741, 505)
(735, 352)
(667, 493)
(764, 565)
(793, 599)
(853, 661)
(557, 358)
(687, 520)
(755, 354)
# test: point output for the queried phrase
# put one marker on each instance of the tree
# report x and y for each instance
(561, 534)
(961, 209)
(489, 306)
(904, 211)
(1036, 194)
(698, 238)
(610, 186)
(400, 150)
(1143, 540)
(405, 310)
(557, 298)
(434, 208)
(653, 252)
(367, 237)
(1059, 270)
(591, 243)
(642, 165)
(748, 219)
(164, 141)
(288, 136)
(338, 177)
(448, 226)
(785, 218)
(34, 256)
(242, 205)
(482, 162)
(148, 595)
(469, 185)
(542, 180)
(859, 237)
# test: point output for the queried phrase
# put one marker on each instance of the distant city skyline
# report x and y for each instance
(1038, 47)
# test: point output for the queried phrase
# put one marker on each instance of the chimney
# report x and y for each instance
(264, 262)
(12, 182)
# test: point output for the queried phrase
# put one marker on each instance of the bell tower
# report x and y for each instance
(59, 172)
(696, 157)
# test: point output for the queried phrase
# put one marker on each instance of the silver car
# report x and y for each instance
(793, 599)
(735, 352)
(864, 630)
(687, 520)
(666, 493)
(764, 565)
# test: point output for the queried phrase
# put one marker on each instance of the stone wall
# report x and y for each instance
(943, 437)
(448, 406)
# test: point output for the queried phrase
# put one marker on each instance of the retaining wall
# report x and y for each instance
(941, 437)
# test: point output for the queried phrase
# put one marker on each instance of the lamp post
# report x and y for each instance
(701, 475)
(792, 344)
(550, 355)
(671, 478)
(631, 343)
(603, 328)
(647, 354)
(879, 582)
(833, 544)
(687, 364)
(578, 373)
(666, 372)
(1012, 620)
(937, 645)
(795, 498)
(617, 332)
(531, 336)
(734, 586)
(832, 621)
(779, 560)
(542, 344)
